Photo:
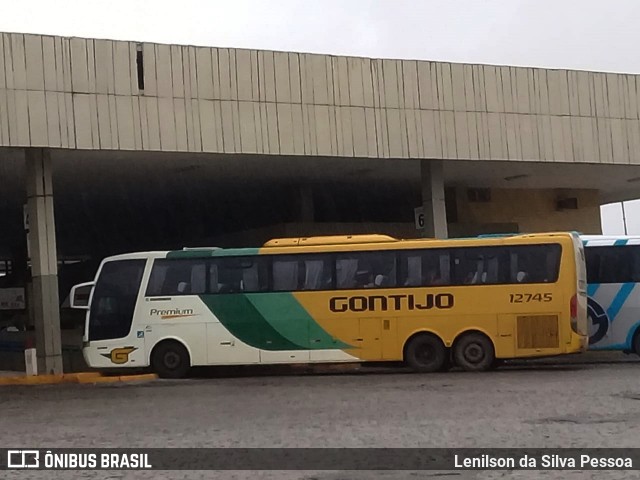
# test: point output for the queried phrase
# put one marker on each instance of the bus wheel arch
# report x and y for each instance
(424, 351)
(635, 341)
(474, 351)
(170, 358)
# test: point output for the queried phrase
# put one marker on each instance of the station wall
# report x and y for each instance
(526, 211)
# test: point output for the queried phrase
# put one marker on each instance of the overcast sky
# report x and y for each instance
(577, 34)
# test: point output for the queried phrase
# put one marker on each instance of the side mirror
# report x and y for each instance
(80, 295)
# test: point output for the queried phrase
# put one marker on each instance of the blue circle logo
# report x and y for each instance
(599, 321)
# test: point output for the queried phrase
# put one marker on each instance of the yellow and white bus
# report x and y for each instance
(339, 299)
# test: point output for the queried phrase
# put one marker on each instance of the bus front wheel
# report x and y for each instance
(170, 359)
(426, 353)
(474, 352)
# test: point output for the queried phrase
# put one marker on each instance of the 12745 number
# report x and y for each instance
(530, 297)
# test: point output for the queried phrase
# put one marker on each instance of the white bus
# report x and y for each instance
(339, 299)
(613, 274)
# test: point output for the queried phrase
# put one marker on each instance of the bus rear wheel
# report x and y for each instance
(426, 353)
(170, 360)
(474, 352)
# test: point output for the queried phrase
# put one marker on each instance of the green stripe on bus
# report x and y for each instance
(178, 254)
(244, 321)
(285, 314)
(235, 252)
(211, 252)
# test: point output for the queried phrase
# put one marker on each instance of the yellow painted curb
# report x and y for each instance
(83, 377)
(77, 377)
(140, 377)
(116, 378)
(108, 379)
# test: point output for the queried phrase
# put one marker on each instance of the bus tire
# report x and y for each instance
(426, 353)
(170, 359)
(474, 352)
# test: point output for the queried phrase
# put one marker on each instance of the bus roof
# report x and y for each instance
(329, 240)
(609, 237)
(610, 240)
(338, 243)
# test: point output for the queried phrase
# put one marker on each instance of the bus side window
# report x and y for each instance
(534, 263)
(229, 276)
(285, 274)
(444, 268)
(625, 265)
(469, 266)
(214, 284)
(613, 264)
(177, 277)
(384, 270)
(238, 274)
(610, 270)
(593, 265)
(635, 251)
(484, 266)
(317, 273)
(424, 268)
(158, 276)
(492, 275)
(250, 279)
(346, 270)
(198, 278)
(412, 270)
(366, 270)
(292, 273)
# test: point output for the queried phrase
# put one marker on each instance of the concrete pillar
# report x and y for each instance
(435, 213)
(41, 237)
(306, 206)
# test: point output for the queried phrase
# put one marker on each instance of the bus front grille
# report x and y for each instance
(538, 331)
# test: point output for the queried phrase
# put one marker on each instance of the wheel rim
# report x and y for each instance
(474, 353)
(171, 360)
(425, 354)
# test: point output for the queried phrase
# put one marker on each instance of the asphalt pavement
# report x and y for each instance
(530, 405)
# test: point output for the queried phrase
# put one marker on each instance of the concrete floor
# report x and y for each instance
(573, 404)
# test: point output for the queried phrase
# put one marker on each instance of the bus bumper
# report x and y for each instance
(584, 343)
(578, 344)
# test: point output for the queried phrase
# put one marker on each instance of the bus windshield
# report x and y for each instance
(114, 299)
